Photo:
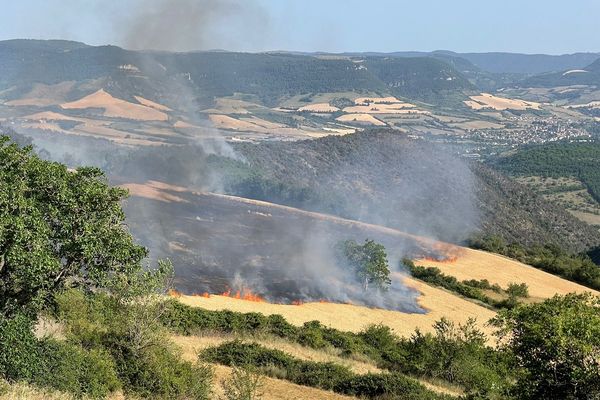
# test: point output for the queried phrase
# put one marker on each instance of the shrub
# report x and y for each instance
(243, 384)
(277, 325)
(160, 373)
(19, 355)
(517, 290)
(323, 375)
(311, 335)
(70, 368)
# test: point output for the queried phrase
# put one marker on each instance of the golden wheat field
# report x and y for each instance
(347, 317)
(476, 264)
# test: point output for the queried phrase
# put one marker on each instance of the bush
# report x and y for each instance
(70, 368)
(517, 290)
(160, 373)
(145, 361)
(376, 385)
(323, 375)
(311, 335)
(243, 384)
(19, 355)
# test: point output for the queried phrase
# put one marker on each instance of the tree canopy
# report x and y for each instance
(556, 347)
(369, 262)
(58, 227)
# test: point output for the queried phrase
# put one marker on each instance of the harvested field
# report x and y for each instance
(319, 108)
(367, 119)
(116, 108)
(476, 264)
(150, 103)
(396, 108)
(488, 101)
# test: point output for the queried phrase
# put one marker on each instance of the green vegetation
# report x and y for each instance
(472, 365)
(578, 160)
(66, 252)
(323, 375)
(554, 346)
(549, 258)
(369, 262)
(472, 289)
(244, 384)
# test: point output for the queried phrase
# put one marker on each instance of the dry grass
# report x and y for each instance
(191, 345)
(154, 191)
(475, 264)
(347, 317)
(114, 107)
(42, 95)
(152, 104)
(319, 108)
(23, 391)
(361, 119)
(276, 389)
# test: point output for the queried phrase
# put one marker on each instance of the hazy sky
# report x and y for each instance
(528, 26)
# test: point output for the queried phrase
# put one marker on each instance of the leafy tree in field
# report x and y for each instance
(555, 346)
(59, 227)
(369, 261)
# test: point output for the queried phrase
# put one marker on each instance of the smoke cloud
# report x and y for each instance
(186, 25)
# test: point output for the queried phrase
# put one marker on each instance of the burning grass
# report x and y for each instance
(347, 317)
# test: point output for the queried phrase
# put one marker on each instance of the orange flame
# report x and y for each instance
(443, 259)
(297, 302)
(243, 294)
(205, 295)
(174, 293)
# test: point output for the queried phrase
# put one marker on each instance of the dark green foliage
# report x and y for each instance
(456, 354)
(578, 160)
(327, 376)
(146, 363)
(58, 226)
(549, 258)
(158, 372)
(394, 385)
(369, 262)
(555, 344)
(434, 276)
(19, 353)
(517, 290)
(70, 368)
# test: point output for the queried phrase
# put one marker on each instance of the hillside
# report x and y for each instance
(585, 75)
(565, 173)
(269, 76)
(425, 178)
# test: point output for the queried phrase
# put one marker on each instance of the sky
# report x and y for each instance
(524, 26)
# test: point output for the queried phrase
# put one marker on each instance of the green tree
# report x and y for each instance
(556, 347)
(369, 262)
(59, 227)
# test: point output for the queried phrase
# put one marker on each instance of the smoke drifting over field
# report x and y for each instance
(219, 244)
